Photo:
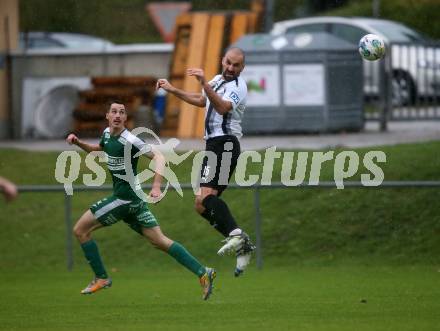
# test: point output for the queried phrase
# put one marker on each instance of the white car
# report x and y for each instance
(415, 61)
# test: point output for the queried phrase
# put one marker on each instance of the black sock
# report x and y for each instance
(219, 227)
(218, 214)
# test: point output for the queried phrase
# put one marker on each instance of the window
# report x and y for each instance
(44, 43)
(399, 33)
(308, 28)
(347, 32)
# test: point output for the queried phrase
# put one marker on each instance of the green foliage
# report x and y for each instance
(418, 15)
(121, 21)
(127, 21)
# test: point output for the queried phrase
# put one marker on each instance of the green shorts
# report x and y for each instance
(112, 209)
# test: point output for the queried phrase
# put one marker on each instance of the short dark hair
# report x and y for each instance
(109, 103)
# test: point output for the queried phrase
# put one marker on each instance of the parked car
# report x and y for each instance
(40, 40)
(414, 59)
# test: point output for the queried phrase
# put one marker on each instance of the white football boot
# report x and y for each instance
(232, 243)
(238, 242)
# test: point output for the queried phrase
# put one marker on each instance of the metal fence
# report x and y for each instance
(405, 85)
(257, 208)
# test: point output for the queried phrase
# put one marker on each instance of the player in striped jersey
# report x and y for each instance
(224, 100)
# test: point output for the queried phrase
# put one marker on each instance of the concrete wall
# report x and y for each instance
(146, 60)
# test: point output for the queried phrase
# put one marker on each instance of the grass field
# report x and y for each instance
(397, 225)
(277, 298)
(353, 259)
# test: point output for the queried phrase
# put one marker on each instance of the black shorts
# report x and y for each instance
(216, 171)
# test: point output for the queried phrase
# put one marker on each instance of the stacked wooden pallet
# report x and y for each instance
(201, 38)
(134, 92)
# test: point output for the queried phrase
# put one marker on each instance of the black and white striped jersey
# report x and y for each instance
(234, 91)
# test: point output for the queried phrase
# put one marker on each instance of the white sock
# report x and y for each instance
(243, 261)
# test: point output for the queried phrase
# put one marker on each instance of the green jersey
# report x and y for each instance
(114, 147)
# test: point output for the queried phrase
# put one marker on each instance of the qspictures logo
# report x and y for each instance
(291, 168)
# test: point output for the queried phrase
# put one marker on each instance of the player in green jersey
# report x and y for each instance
(125, 204)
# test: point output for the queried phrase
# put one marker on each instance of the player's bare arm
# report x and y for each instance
(159, 167)
(221, 106)
(193, 98)
(72, 139)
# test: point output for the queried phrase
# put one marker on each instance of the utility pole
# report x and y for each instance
(8, 42)
(376, 8)
(268, 19)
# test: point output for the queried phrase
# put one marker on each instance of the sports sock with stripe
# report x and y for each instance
(91, 252)
(184, 257)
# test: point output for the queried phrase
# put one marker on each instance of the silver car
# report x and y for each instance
(45, 40)
(415, 62)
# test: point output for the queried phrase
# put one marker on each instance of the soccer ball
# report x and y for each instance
(371, 47)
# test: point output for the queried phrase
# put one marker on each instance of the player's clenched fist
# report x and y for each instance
(165, 84)
(72, 139)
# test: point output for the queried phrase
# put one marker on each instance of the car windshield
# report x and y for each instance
(398, 33)
(77, 41)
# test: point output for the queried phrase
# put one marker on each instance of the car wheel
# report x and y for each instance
(403, 89)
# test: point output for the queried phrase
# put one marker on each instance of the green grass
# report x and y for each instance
(276, 298)
(352, 259)
(302, 225)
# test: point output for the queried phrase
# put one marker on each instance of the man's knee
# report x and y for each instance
(79, 232)
(198, 204)
(84, 227)
(199, 201)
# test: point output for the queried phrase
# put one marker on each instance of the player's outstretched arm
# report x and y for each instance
(159, 168)
(72, 139)
(195, 99)
(221, 106)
